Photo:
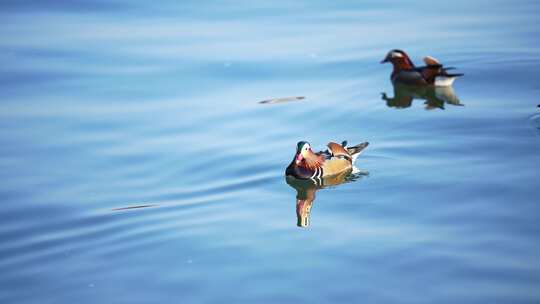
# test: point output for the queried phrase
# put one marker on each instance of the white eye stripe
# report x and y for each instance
(396, 55)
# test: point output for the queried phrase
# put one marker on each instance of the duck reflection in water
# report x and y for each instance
(306, 190)
(435, 97)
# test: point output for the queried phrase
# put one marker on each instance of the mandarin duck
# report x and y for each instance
(405, 72)
(333, 161)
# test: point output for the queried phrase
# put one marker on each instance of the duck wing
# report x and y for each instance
(434, 69)
(337, 150)
(341, 157)
(428, 60)
(430, 73)
(344, 152)
(336, 166)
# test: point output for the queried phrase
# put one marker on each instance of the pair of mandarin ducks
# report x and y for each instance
(339, 158)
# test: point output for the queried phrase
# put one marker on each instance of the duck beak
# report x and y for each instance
(298, 158)
(385, 60)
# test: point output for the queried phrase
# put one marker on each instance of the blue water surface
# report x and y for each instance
(138, 166)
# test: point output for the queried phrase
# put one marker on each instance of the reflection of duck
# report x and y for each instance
(306, 189)
(335, 160)
(435, 97)
(406, 72)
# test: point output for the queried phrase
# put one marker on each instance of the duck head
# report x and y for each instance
(305, 157)
(302, 150)
(399, 59)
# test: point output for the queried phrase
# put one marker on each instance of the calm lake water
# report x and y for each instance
(110, 105)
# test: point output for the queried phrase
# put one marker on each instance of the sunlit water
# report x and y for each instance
(138, 165)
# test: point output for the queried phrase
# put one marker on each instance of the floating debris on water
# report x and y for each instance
(133, 207)
(282, 100)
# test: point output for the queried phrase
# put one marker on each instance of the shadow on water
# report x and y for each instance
(306, 189)
(435, 97)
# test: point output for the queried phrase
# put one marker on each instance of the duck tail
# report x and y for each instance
(355, 151)
(454, 75)
(445, 70)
